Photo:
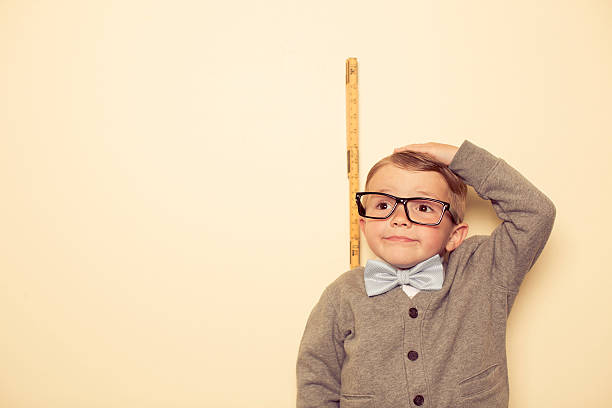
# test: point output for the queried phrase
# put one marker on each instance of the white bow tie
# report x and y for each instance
(380, 277)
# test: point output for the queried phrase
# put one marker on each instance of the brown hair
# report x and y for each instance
(415, 161)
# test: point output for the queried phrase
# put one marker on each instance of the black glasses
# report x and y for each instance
(419, 210)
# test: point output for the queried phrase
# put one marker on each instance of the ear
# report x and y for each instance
(362, 224)
(457, 236)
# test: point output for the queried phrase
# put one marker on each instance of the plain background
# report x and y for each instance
(175, 197)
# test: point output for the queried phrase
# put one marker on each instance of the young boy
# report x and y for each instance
(425, 324)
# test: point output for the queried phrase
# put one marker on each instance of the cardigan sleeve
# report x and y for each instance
(320, 358)
(527, 214)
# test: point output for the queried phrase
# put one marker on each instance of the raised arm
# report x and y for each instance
(527, 214)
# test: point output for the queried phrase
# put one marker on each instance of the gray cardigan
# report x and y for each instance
(444, 348)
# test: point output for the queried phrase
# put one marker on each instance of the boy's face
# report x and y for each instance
(396, 239)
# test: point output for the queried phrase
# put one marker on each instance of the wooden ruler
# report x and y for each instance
(352, 154)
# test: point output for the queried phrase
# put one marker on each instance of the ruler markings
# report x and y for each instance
(352, 154)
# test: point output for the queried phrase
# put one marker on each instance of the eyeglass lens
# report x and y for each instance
(381, 206)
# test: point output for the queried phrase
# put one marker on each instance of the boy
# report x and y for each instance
(425, 324)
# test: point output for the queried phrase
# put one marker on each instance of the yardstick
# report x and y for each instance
(352, 154)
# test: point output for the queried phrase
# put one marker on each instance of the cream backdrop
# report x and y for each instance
(175, 198)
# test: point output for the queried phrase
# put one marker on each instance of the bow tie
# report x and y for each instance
(381, 277)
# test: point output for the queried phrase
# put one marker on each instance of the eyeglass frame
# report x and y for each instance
(404, 201)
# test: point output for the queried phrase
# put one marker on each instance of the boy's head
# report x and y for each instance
(398, 240)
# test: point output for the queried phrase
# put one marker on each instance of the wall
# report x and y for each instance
(174, 191)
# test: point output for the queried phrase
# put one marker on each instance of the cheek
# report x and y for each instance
(373, 230)
(433, 238)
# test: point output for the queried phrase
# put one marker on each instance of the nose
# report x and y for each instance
(399, 218)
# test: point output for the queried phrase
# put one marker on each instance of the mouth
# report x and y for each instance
(397, 238)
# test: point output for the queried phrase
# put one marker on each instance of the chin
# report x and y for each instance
(402, 263)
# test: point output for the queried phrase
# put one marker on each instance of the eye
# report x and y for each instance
(382, 206)
(424, 208)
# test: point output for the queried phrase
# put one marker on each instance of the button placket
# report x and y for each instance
(415, 372)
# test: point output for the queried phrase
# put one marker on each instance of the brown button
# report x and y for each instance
(419, 400)
(413, 355)
(413, 312)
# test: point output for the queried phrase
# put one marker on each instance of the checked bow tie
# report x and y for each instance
(381, 277)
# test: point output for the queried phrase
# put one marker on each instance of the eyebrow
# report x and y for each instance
(427, 193)
(422, 192)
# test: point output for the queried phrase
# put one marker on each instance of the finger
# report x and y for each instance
(407, 147)
(417, 147)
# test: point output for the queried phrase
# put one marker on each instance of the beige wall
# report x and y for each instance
(174, 191)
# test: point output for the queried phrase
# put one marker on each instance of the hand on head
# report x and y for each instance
(443, 153)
